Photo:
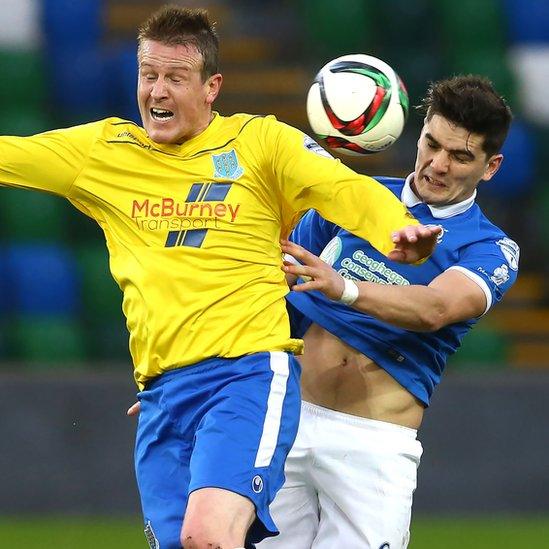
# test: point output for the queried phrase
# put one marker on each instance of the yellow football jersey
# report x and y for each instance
(193, 230)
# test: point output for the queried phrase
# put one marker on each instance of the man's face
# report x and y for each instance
(450, 162)
(174, 102)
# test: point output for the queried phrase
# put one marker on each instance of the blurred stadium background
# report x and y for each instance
(65, 373)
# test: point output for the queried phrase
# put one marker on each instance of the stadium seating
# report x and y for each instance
(102, 305)
(43, 279)
(46, 341)
(70, 24)
(527, 21)
(517, 175)
(484, 348)
(330, 34)
(44, 302)
(24, 78)
(82, 66)
(31, 216)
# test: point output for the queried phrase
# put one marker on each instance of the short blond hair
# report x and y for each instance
(173, 25)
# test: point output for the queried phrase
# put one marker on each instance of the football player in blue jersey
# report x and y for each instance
(377, 334)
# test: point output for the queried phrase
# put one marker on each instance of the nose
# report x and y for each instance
(158, 90)
(440, 161)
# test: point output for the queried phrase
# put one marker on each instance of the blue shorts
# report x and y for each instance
(224, 423)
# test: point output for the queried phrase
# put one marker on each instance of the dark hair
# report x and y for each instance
(173, 25)
(470, 102)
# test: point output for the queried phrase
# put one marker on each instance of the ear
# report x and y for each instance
(493, 165)
(213, 86)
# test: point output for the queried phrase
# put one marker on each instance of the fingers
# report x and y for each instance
(413, 233)
(305, 263)
(134, 409)
(298, 252)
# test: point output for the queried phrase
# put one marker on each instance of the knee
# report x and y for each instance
(189, 541)
(216, 519)
(200, 535)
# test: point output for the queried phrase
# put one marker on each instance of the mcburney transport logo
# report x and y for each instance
(188, 221)
(170, 214)
(204, 208)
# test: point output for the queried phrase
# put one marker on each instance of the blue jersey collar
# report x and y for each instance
(410, 199)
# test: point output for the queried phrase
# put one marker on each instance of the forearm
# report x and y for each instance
(417, 308)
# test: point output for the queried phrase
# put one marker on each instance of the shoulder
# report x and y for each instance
(83, 136)
(487, 231)
(111, 129)
(264, 123)
(483, 239)
(239, 121)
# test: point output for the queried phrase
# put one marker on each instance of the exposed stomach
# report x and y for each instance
(341, 378)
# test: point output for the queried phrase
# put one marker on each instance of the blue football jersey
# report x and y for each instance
(469, 243)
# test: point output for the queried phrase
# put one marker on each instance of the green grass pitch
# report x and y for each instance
(427, 533)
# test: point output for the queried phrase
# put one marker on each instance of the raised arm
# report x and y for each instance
(308, 177)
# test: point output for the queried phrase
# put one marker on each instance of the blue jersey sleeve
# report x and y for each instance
(313, 232)
(493, 265)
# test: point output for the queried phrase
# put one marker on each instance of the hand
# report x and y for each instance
(320, 276)
(134, 409)
(413, 243)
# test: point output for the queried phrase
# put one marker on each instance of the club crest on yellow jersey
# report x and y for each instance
(226, 165)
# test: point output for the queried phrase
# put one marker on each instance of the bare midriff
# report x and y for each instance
(341, 378)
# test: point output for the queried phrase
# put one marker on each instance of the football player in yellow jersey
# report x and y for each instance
(193, 206)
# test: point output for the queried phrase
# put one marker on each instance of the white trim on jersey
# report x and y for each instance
(271, 427)
(478, 280)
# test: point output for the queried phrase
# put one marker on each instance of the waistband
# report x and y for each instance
(361, 422)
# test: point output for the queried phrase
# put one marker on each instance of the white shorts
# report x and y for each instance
(349, 484)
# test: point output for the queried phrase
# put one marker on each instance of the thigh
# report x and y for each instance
(162, 458)
(366, 472)
(241, 443)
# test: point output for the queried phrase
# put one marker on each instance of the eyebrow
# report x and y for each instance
(173, 68)
(465, 152)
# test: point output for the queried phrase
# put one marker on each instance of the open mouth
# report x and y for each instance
(434, 182)
(161, 114)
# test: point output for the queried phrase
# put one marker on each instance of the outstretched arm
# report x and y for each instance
(449, 298)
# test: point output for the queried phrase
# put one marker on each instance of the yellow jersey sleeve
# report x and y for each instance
(310, 178)
(50, 161)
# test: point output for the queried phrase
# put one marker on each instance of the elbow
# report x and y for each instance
(433, 318)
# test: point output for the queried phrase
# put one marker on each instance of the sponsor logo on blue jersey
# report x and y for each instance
(226, 165)
(501, 275)
(511, 252)
(361, 266)
(440, 236)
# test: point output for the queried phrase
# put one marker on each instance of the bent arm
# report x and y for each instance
(450, 297)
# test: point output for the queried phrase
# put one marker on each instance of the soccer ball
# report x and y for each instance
(357, 105)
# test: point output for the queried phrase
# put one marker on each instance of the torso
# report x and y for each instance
(341, 378)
